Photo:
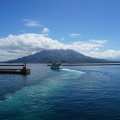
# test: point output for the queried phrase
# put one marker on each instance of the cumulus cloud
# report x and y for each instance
(107, 54)
(32, 23)
(45, 31)
(87, 46)
(74, 35)
(26, 44)
(13, 46)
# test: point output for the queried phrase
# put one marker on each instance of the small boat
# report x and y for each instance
(56, 65)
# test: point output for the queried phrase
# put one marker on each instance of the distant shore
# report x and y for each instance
(88, 64)
(91, 64)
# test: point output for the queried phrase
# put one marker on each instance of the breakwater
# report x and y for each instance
(13, 70)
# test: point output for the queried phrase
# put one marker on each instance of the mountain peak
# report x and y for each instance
(68, 56)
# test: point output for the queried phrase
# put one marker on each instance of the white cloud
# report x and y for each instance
(13, 47)
(26, 44)
(45, 30)
(87, 46)
(98, 41)
(74, 35)
(32, 23)
(96, 49)
(107, 54)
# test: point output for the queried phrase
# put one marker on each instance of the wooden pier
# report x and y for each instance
(23, 70)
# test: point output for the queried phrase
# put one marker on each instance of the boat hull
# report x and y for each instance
(56, 68)
(56, 65)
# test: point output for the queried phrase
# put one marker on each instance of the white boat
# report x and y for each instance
(56, 65)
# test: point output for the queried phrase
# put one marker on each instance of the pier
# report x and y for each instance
(12, 70)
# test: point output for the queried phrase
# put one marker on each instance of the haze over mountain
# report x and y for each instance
(65, 56)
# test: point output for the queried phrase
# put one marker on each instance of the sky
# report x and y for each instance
(90, 27)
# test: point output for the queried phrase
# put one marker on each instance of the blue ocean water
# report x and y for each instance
(72, 93)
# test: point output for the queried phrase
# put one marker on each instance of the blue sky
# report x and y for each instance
(91, 27)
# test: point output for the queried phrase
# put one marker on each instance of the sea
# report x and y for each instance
(71, 93)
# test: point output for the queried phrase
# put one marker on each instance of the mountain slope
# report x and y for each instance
(68, 56)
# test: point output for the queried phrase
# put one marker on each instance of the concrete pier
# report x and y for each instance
(23, 70)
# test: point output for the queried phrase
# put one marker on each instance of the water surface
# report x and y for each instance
(72, 93)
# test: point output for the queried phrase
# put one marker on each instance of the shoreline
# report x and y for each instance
(88, 64)
(91, 64)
